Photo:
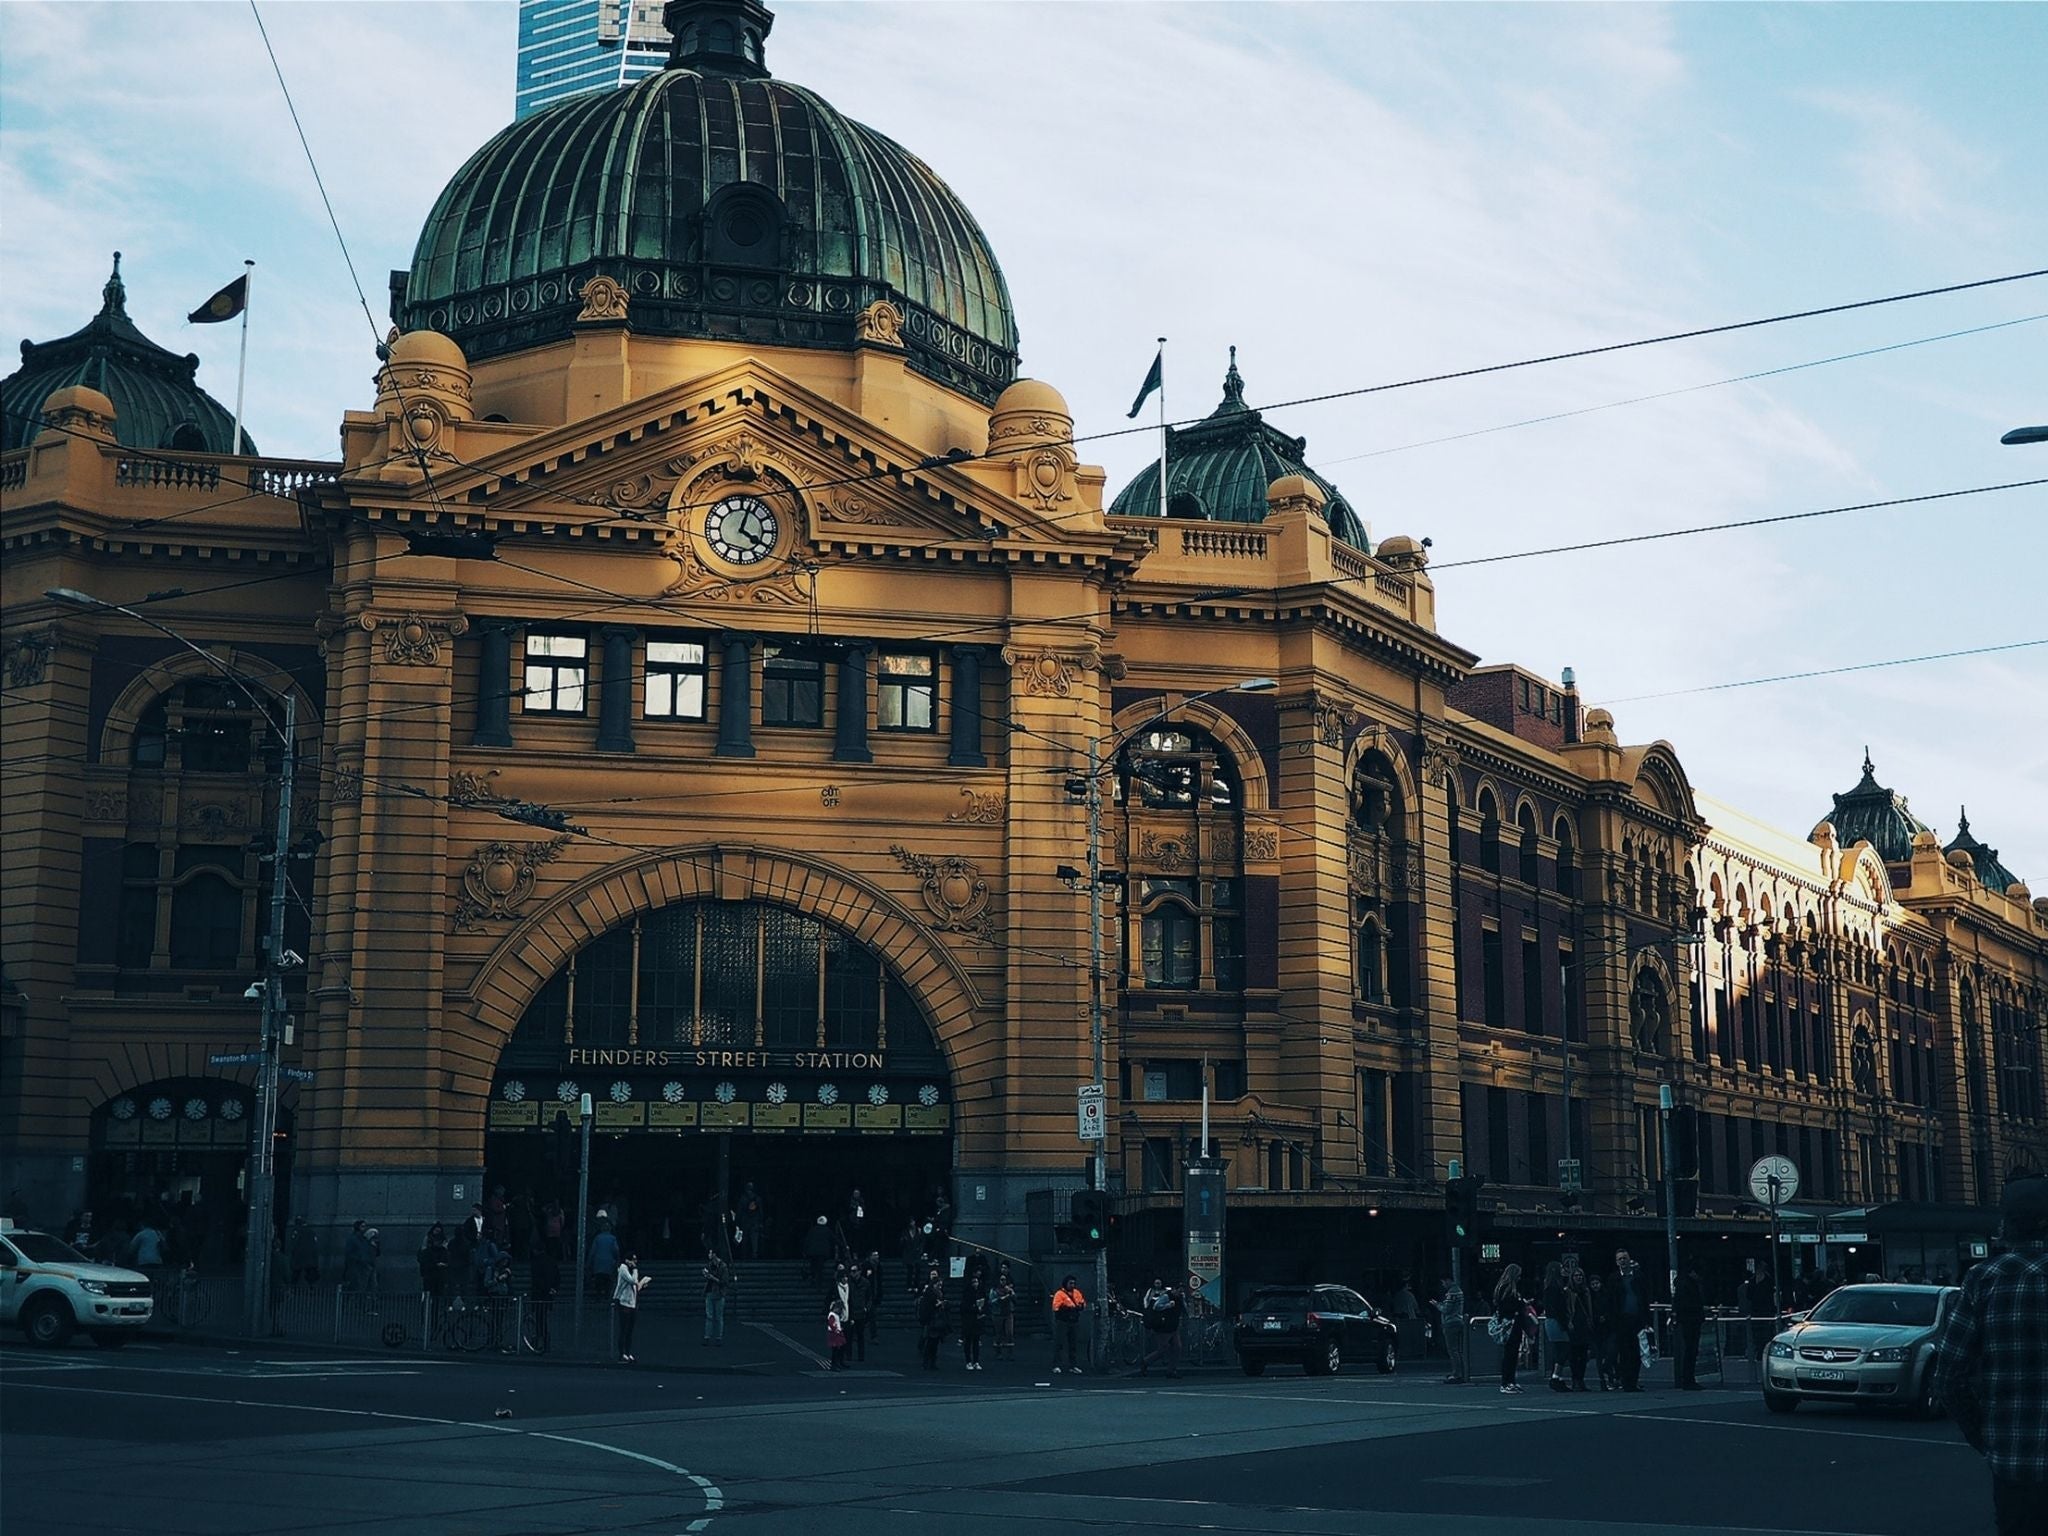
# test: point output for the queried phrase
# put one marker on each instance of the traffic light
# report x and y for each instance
(1089, 1213)
(1461, 1210)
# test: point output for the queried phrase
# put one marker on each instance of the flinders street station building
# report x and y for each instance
(702, 656)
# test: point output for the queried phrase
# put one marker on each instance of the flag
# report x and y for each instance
(225, 305)
(1153, 380)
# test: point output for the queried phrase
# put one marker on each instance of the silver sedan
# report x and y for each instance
(1868, 1345)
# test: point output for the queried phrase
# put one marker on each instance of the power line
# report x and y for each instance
(1861, 666)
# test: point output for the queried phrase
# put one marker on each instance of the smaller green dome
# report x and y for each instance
(1219, 470)
(1872, 814)
(1991, 873)
(157, 399)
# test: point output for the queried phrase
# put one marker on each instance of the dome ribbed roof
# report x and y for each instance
(1872, 814)
(1220, 467)
(157, 399)
(727, 204)
(1992, 874)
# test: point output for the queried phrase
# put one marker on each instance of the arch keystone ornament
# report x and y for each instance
(500, 878)
(953, 889)
(604, 299)
(880, 325)
(413, 639)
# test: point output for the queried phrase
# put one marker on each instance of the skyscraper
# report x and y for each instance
(567, 47)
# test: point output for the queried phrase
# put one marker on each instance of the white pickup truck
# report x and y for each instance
(50, 1290)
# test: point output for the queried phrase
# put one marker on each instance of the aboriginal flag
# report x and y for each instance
(225, 305)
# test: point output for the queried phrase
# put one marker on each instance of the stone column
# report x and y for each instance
(615, 689)
(966, 714)
(736, 697)
(1440, 1111)
(494, 686)
(850, 737)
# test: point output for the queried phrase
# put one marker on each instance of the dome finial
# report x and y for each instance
(114, 297)
(1963, 820)
(719, 37)
(1233, 385)
(1869, 768)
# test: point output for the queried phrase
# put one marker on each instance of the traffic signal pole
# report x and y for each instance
(1098, 1178)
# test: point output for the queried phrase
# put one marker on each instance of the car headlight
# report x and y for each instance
(1780, 1350)
(93, 1287)
(1887, 1356)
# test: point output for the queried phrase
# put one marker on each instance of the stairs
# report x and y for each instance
(779, 1291)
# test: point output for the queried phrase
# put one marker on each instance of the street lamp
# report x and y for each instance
(277, 959)
(1098, 1172)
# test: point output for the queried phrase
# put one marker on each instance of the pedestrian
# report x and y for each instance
(433, 1263)
(1556, 1335)
(626, 1289)
(1689, 1311)
(552, 1225)
(1631, 1316)
(1578, 1324)
(973, 1317)
(932, 1321)
(817, 1248)
(497, 1215)
(1402, 1307)
(719, 1284)
(753, 1219)
(1605, 1355)
(838, 1318)
(146, 1247)
(544, 1279)
(857, 1312)
(358, 1258)
(1067, 1305)
(1991, 1362)
(304, 1253)
(1505, 1326)
(871, 1283)
(910, 1248)
(603, 1258)
(1005, 1299)
(855, 1224)
(1457, 1339)
(1164, 1313)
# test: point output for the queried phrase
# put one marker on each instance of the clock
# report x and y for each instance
(741, 530)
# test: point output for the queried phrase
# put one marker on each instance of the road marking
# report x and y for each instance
(714, 1498)
(787, 1342)
(1786, 1429)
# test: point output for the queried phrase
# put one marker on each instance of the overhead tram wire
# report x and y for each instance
(1861, 666)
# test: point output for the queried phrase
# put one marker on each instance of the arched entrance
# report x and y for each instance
(176, 1152)
(725, 1043)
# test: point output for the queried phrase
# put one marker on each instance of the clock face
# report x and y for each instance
(741, 530)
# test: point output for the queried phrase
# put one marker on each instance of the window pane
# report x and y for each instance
(668, 974)
(676, 652)
(730, 990)
(557, 645)
(661, 695)
(853, 995)
(206, 924)
(789, 1001)
(569, 692)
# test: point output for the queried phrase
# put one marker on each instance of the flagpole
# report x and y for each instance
(1162, 428)
(242, 368)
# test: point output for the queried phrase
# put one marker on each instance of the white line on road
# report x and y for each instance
(788, 1343)
(714, 1498)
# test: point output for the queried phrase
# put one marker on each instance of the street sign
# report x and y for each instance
(236, 1059)
(1568, 1174)
(1773, 1180)
(1839, 1238)
(1088, 1115)
(1489, 1253)
(295, 1074)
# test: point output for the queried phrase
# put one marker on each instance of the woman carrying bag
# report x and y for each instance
(1505, 1327)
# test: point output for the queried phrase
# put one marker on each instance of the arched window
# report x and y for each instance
(1185, 504)
(1169, 933)
(185, 437)
(1375, 797)
(1567, 858)
(744, 227)
(1451, 810)
(206, 923)
(1489, 833)
(1184, 849)
(1371, 962)
(1526, 819)
(1166, 768)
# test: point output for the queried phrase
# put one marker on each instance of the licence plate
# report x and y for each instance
(1827, 1375)
(1274, 1325)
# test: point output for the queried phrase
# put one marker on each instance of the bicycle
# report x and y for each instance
(463, 1327)
(182, 1299)
(1125, 1344)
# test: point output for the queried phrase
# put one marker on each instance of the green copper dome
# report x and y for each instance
(1220, 467)
(1872, 814)
(727, 204)
(1991, 873)
(157, 399)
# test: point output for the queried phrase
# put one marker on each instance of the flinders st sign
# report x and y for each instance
(727, 1061)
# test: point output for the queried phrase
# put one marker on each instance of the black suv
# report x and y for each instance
(1322, 1326)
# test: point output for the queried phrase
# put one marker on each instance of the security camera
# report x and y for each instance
(291, 960)
(255, 992)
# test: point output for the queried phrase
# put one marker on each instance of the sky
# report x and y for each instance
(1352, 195)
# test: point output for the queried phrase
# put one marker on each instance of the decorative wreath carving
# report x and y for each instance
(28, 657)
(953, 889)
(500, 878)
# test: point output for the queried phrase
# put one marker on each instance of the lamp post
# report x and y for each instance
(1099, 1169)
(277, 959)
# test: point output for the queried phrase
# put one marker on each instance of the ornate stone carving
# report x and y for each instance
(604, 298)
(500, 878)
(953, 889)
(468, 787)
(635, 492)
(411, 640)
(856, 508)
(146, 808)
(1362, 866)
(1046, 477)
(1261, 844)
(348, 784)
(106, 805)
(1331, 720)
(1050, 674)
(1166, 854)
(28, 657)
(980, 810)
(214, 818)
(880, 324)
(1438, 764)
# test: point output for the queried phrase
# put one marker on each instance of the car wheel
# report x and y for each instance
(1327, 1361)
(111, 1338)
(1780, 1402)
(48, 1322)
(1252, 1367)
(1390, 1356)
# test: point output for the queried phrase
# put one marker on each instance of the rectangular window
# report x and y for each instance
(1532, 988)
(789, 979)
(1540, 1170)
(1568, 992)
(1373, 1148)
(557, 673)
(1158, 1164)
(906, 693)
(135, 924)
(1229, 1081)
(1492, 979)
(792, 688)
(1499, 1150)
(675, 683)
(1709, 1181)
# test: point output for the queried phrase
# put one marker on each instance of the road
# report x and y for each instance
(184, 1439)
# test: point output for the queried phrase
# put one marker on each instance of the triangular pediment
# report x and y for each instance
(666, 457)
